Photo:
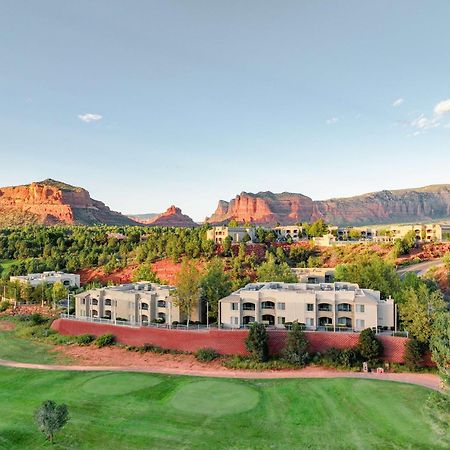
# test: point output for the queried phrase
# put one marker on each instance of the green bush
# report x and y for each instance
(347, 358)
(369, 346)
(206, 354)
(257, 342)
(413, 355)
(85, 339)
(38, 319)
(296, 345)
(241, 362)
(4, 305)
(105, 340)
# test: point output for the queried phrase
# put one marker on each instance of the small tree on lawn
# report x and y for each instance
(296, 344)
(257, 342)
(369, 346)
(51, 417)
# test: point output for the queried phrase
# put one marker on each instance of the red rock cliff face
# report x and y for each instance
(264, 208)
(50, 202)
(173, 217)
(408, 205)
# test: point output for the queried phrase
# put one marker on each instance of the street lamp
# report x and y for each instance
(68, 303)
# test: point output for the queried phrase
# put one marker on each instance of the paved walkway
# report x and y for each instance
(427, 380)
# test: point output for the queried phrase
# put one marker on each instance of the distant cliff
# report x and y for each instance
(51, 202)
(173, 217)
(407, 205)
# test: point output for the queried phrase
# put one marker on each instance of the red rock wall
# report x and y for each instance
(224, 341)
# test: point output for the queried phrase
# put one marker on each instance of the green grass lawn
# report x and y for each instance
(137, 411)
(25, 350)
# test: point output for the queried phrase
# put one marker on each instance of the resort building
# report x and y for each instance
(237, 234)
(138, 303)
(290, 232)
(36, 279)
(314, 275)
(327, 306)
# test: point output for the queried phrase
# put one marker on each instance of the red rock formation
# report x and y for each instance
(51, 202)
(408, 205)
(173, 217)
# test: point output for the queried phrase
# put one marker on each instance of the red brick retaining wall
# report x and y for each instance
(226, 342)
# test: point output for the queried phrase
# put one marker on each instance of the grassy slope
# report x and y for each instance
(137, 411)
(24, 350)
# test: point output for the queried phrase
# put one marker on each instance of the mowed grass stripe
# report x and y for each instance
(288, 414)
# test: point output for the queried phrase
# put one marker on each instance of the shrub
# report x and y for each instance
(413, 355)
(85, 339)
(105, 340)
(241, 362)
(206, 354)
(296, 345)
(38, 319)
(4, 305)
(369, 346)
(257, 342)
(350, 357)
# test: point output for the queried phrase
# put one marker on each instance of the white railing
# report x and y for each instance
(197, 327)
(126, 323)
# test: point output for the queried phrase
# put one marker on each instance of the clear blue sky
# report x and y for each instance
(149, 103)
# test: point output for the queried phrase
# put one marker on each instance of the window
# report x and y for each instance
(248, 306)
(235, 306)
(281, 320)
(360, 308)
(360, 323)
(130, 305)
(346, 307)
(161, 304)
(281, 306)
(94, 301)
(144, 306)
(325, 307)
(234, 320)
(268, 305)
(83, 301)
(309, 322)
(107, 302)
(310, 306)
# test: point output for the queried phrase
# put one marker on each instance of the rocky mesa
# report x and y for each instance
(406, 205)
(173, 217)
(51, 202)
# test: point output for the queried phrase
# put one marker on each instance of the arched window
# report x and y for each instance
(161, 304)
(161, 317)
(324, 307)
(345, 322)
(268, 319)
(346, 307)
(94, 301)
(268, 305)
(144, 306)
(94, 313)
(108, 302)
(324, 321)
(248, 306)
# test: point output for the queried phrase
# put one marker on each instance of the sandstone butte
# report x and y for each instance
(396, 206)
(51, 202)
(173, 217)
